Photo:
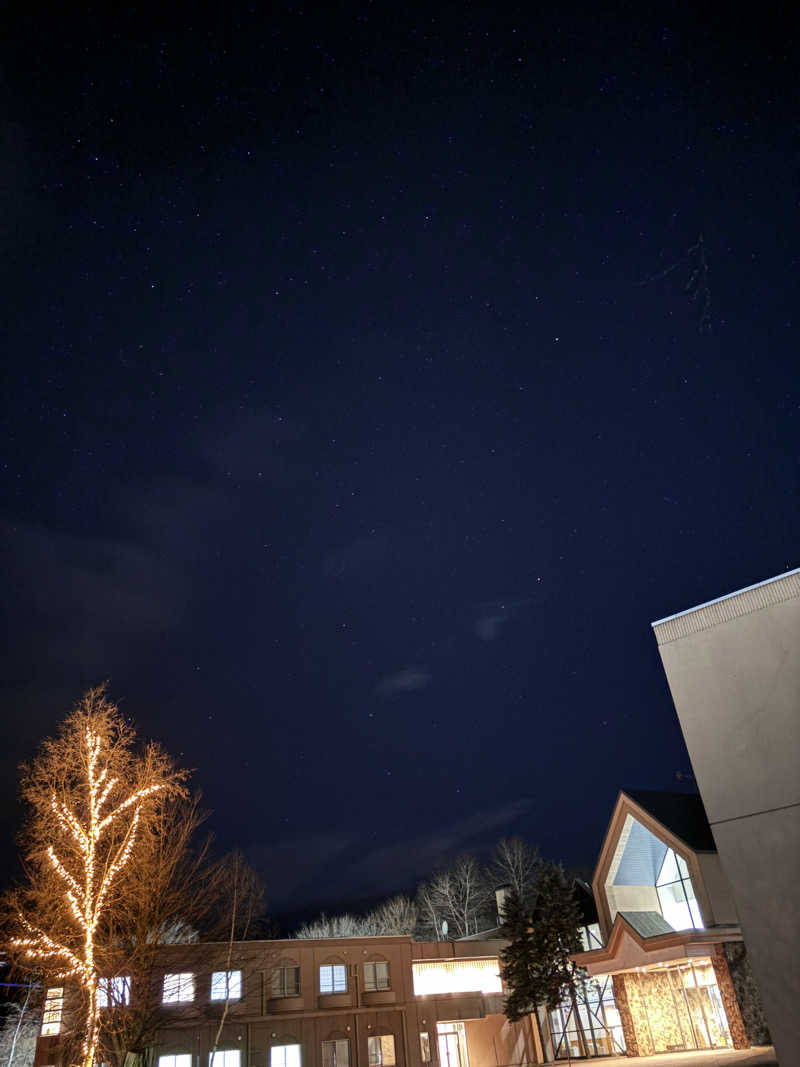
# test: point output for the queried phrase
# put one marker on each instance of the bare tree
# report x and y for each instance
(245, 894)
(394, 917)
(458, 896)
(517, 865)
(175, 894)
(93, 802)
(397, 916)
(19, 1028)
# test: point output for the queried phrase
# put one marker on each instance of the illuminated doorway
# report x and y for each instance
(452, 1042)
(681, 1007)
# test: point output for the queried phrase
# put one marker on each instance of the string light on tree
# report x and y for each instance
(93, 819)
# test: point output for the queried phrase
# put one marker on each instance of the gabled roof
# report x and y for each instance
(682, 814)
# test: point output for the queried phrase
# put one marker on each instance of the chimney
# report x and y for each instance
(500, 894)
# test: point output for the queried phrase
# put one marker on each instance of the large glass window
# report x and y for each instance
(596, 1030)
(676, 894)
(284, 1056)
(336, 1053)
(333, 978)
(376, 976)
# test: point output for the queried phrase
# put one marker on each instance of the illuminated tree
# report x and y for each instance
(94, 802)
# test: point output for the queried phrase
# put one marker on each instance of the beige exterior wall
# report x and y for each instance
(733, 668)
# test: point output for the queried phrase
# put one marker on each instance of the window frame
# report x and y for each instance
(425, 1046)
(114, 992)
(376, 987)
(283, 969)
(333, 967)
(380, 1060)
(55, 995)
(182, 979)
(223, 1052)
(226, 979)
(334, 1061)
(286, 1045)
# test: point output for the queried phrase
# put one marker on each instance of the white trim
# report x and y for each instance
(728, 596)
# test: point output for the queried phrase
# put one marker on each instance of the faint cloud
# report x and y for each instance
(362, 556)
(492, 615)
(405, 681)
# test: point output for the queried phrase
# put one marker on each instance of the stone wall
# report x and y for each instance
(747, 994)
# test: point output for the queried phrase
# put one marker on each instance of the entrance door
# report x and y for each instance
(449, 1055)
(452, 1042)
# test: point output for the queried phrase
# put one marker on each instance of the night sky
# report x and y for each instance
(341, 433)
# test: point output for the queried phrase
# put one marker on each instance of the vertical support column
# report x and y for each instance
(729, 1001)
(624, 1009)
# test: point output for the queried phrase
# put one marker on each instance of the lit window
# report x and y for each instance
(425, 1047)
(591, 936)
(53, 1011)
(432, 977)
(226, 985)
(228, 1058)
(333, 978)
(336, 1053)
(178, 988)
(112, 992)
(376, 976)
(284, 1056)
(381, 1051)
(676, 894)
(183, 1059)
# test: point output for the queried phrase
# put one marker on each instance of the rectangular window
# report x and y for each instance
(183, 1059)
(425, 1047)
(229, 1058)
(53, 1012)
(381, 1051)
(333, 978)
(178, 988)
(113, 992)
(226, 985)
(284, 1056)
(376, 976)
(286, 982)
(336, 1053)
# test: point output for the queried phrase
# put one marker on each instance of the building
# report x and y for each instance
(342, 1002)
(733, 667)
(664, 960)
(672, 972)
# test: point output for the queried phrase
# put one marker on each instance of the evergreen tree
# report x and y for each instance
(543, 933)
